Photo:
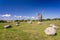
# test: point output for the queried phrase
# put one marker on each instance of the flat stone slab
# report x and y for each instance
(50, 31)
(7, 26)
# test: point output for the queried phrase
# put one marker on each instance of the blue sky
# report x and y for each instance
(48, 8)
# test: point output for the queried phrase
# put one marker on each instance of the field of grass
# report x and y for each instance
(27, 31)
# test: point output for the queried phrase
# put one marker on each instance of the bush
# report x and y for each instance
(2, 21)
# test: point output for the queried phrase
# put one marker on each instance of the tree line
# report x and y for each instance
(48, 19)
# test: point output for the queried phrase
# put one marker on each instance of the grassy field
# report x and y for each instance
(28, 31)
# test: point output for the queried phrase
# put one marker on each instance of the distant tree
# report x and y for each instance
(25, 20)
(56, 19)
(16, 20)
(28, 19)
(44, 19)
(33, 20)
(2, 21)
(48, 19)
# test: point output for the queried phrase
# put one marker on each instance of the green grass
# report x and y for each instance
(28, 31)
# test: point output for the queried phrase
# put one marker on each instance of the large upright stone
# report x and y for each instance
(40, 17)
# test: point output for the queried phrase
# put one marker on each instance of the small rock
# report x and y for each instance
(17, 23)
(29, 22)
(54, 26)
(39, 22)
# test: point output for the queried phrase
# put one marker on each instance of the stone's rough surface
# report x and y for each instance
(29, 22)
(39, 22)
(7, 26)
(17, 23)
(54, 26)
(40, 17)
(50, 31)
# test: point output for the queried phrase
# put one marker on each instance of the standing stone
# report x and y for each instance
(17, 23)
(40, 17)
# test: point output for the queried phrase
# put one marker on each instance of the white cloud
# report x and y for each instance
(17, 16)
(6, 15)
(32, 17)
(27, 17)
(20, 16)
